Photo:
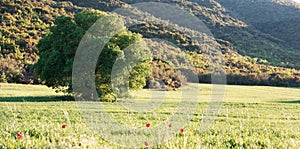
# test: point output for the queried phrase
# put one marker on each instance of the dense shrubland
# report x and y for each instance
(22, 24)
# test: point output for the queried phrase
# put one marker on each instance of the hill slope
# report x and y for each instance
(280, 19)
(252, 52)
(226, 24)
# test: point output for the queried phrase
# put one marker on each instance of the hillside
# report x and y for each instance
(22, 25)
(254, 53)
(226, 25)
(280, 19)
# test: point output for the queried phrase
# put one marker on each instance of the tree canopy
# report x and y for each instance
(58, 48)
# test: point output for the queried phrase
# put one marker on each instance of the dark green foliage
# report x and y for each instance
(57, 51)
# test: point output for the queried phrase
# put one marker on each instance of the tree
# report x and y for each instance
(58, 48)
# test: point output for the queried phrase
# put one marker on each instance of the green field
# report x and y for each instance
(250, 117)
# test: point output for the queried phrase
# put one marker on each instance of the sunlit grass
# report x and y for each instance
(250, 117)
(19, 90)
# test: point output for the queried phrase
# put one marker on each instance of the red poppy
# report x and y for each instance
(148, 125)
(146, 144)
(163, 138)
(63, 126)
(170, 125)
(20, 136)
(181, 130)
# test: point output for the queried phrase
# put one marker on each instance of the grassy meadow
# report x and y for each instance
(250, 117)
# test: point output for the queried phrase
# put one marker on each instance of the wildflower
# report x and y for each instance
(63, 126)
(181, 130)
(146, 144)
(20, 136)
(170, 125)
(148, 125)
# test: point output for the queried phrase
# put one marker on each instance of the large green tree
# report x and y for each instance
(58, 48)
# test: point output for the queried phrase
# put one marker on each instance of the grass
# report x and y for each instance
(19, 90)
(250, 117)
